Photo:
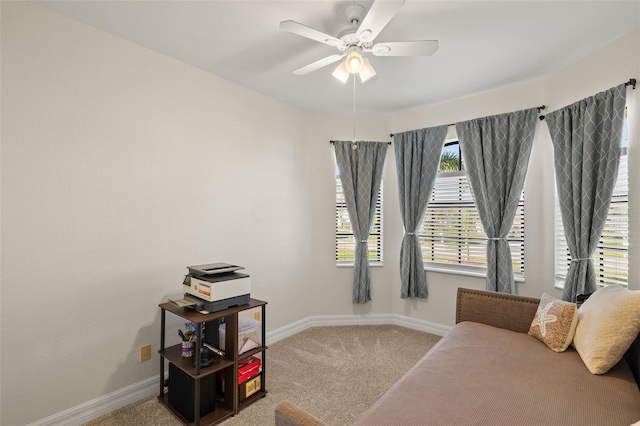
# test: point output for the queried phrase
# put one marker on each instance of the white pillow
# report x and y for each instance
(608, 323)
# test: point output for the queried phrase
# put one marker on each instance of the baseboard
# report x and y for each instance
(286, 331)
(376, 319)
(421, 325)
(90, 410)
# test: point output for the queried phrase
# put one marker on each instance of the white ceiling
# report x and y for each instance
(483, 45)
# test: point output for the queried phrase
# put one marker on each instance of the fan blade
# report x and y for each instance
(406, 48)
(377, 18)
(299, 29)
(318, 64)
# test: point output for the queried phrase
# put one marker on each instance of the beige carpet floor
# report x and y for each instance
(335, 373)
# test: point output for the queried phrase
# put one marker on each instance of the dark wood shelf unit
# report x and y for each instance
(229, 362)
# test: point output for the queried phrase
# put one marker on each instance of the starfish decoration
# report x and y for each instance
(543, 317)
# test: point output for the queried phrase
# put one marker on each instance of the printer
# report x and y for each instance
(216, 286)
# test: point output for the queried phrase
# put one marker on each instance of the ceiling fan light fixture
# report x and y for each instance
(354, 62)
(364, 27)
(367, 72)
(341, 72)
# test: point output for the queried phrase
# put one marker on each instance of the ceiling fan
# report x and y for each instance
(359, 39)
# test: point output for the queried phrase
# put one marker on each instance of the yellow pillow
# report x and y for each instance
(608, 323)
(554, 323)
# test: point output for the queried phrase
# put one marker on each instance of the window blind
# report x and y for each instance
(451, 234)
(345, 243)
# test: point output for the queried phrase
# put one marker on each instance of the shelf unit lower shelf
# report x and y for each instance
(173, 354)
(216, 416)
(253, 398)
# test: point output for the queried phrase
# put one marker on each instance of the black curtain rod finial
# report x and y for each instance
(631, 83)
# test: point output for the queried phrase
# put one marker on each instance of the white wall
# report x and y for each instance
(120, 167)
(332, 288)
(605, 68)
(608, 67)
(439, 307)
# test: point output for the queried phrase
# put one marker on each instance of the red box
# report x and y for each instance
(248, 368)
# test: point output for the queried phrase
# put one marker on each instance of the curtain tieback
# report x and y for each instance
(409, 233)
(580, 259)
(496, 239)
(363, 241)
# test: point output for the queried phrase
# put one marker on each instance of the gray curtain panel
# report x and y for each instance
(496, 152)
(361, 174)
(586, 140)
(417, 158)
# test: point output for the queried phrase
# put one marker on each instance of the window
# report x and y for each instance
(345, 243)
(611, 256)
(451, 235)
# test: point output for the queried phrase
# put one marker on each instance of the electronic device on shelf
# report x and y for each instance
(215, 286)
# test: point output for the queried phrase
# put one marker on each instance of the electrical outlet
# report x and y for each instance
(145, 353)
(256, 315)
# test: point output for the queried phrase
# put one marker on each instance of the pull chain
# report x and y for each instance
(354, 145)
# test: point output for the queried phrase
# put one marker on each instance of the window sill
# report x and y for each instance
(465, 273)
(559, 284)
(350, 265)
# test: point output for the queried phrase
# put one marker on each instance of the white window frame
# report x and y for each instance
(344, 240)
(429, 241)
(617, 222)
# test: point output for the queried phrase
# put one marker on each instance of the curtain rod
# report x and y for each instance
(632, 82)
(333, 142)
(540, 108)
